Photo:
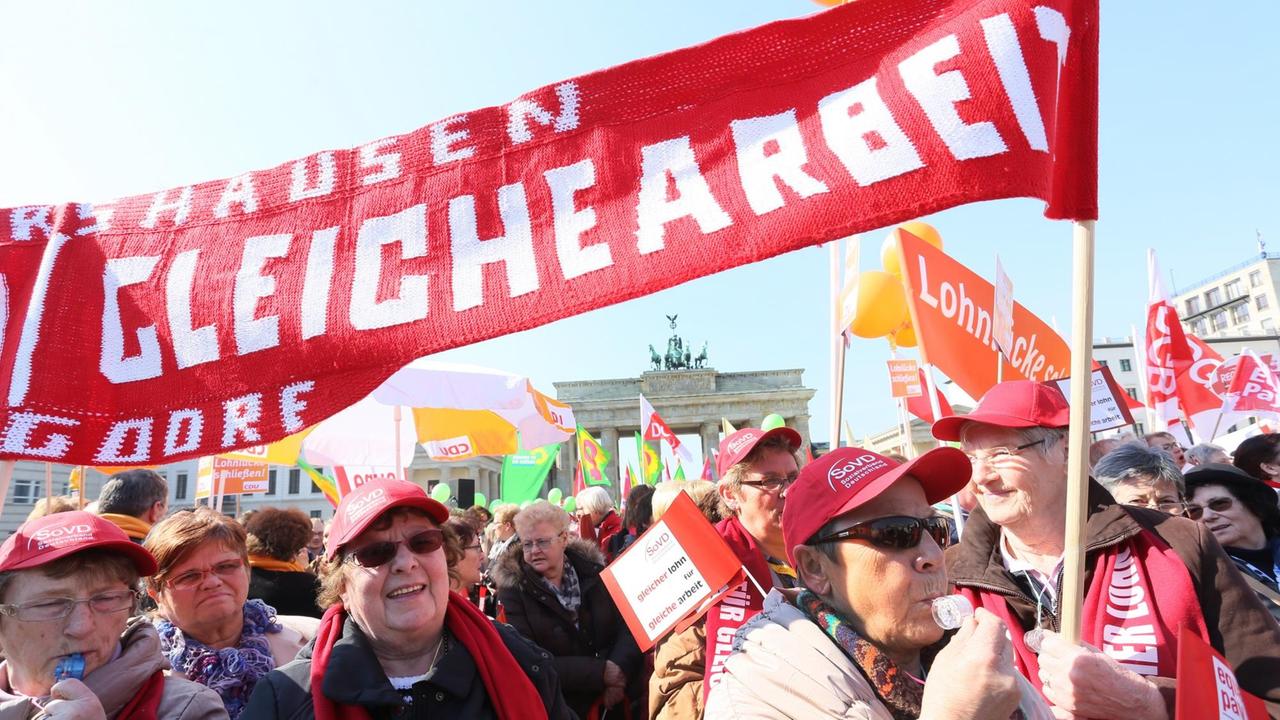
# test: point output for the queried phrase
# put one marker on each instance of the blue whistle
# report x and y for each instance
(71, 666)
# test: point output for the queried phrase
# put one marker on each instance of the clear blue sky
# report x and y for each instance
(101, 100)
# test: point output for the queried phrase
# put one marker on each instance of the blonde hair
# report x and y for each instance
(664, 493)
(540, 512)
(505, 513)
(594, 500)
(52, 505)
(702, 492)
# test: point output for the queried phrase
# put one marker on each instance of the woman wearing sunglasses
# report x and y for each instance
(209, 629)
(1241, 513)
(859, 639)
(550, 587)
(394, 641)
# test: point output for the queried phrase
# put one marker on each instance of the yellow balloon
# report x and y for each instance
(882, 305)
(889, 250)
(906, 337)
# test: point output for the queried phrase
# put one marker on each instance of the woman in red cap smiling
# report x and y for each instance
(395, 642)
(68, 588)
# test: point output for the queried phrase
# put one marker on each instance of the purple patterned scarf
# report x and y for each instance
(231, 672)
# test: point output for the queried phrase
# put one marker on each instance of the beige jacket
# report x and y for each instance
(679, 662)
(785, 666)
(116, 682)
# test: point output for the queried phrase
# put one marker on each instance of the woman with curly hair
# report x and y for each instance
(278, 574)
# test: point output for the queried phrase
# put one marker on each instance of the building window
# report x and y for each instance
(24, 492)
(1240, 313)
(1197, 326)
(315, 514)
(1103, 363)
(1193, 305)
(180, 486)
(295, 481)
(1262, 302)
(1131, 392)
(1213, 298)
(271, 482)
(1218, 321)
(1126, 365)
(1234, 289)
(1268, 325)
(1255, 278)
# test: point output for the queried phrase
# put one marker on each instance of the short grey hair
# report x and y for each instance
(594, 499)
(1026, 436)
(1134, 461)
(1204, 452)
(540, 512)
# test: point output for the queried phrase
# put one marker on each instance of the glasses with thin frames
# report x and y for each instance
(380, 553)
(50, 609)
(192, 578)
(773, 484)
(1195, 511)
(1000, 454)
(541, 543)
(896, 532)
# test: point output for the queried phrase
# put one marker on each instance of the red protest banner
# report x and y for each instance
(234, 312)
(1207, 686)
(671, 574)
(1254, 386)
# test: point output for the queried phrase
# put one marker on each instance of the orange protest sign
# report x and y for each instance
(671, 573)
(225, 476)
(951, 309)
(1207, 686)
(904, 378)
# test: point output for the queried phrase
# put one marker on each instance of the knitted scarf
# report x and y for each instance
(510, 691)
(266, 562)
(231, 672)
(900, 693)
(135, 528)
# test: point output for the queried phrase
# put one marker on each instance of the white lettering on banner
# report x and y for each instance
(522, 111)
(121, 273)
(938, 95)
(22, 425)
(326, 169)
(23, 220)
(314, 311)
(239, 191)
(1230, 701)
(771, 149)
(443, 139)
(673, 159)
(180, 206)
(571, 223)
(256, 333)
(409, 229)
(514, 249)
(1002, 44)
(389, 163)
(457, 447)
(733, 608)
(112, 450)
(193, 420)
(191, 346)
(861, 131)
(239, 416)
(1128, 642)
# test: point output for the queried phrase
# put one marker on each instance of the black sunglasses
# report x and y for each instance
(380, 553)
(1195, 512)
(894, 533)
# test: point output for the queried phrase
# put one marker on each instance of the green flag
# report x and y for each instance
(524, 473)
(650, 461)
(679, 477)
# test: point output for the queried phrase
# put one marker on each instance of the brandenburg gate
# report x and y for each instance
(691, 398)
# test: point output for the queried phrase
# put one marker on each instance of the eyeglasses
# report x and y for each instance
(51, 609)
(1195, 512)
(472, 547)
(541, 544)
(772, 484)
(380, 553)
(894, 532)
(1001, 454)
(192, 578)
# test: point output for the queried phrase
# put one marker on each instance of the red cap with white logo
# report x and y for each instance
(43, 540)
(735, 448)
(1011, 404)
(847, 478)
(368, 502)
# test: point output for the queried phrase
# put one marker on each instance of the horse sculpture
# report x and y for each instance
(655, 358)
(701, 359)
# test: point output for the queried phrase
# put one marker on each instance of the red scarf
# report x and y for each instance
(1123, 615)
(510, 690)
(737, 606)
(145, 704)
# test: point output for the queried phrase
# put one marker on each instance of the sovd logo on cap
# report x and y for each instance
(738, 443)
(360, 508)
(59, 536)
(851, 471)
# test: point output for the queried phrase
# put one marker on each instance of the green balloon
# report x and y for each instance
(480, 500)
(441, 492)
(773, 421)
(554, 495)
(493, 506)
(570, 504)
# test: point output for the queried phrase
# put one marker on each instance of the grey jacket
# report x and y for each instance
(116, 682)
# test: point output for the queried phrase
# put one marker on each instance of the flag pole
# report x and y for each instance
(837, 344)
(48, 480)
(1078, 435)
(1140, 356)
(6, 476)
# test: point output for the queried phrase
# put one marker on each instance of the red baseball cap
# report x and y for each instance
(368, 502)
(43, 540)
(847, 478)
(1013, 404)
(739, 445)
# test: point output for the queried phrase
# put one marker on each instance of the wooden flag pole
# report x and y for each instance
(837, 345)
(48, 480)
(1078, 436)
(399, 468)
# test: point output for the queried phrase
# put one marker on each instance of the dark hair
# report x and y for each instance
(278, 532)
(132, 492)
(477, 516)
(1256, 496)
(639, 508)
(1254, 451)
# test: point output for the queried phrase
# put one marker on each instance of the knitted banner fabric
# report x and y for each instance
(234, 312)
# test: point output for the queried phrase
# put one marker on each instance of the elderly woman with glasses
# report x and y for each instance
(394, 641)
(1241, 513)
(210, 630)
(859, 640)
(1142, 476)
(68, 591)
(551, 589)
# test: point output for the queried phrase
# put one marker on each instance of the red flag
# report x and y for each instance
(920, 407)
(625, 490)
(1174, 389)
(1254, 387)
(578, 483)
(706, 470)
